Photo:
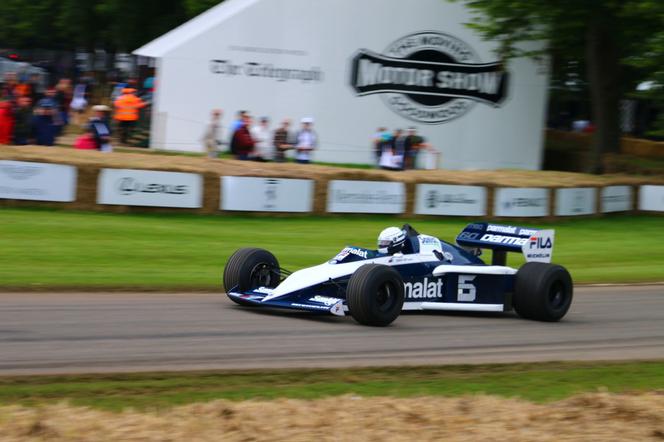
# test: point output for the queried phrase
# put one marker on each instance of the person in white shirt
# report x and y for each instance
(262, 136)
(306, 141)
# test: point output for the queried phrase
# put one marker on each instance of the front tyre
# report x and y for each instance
(248, 269)
(375, 295)
(542, 291)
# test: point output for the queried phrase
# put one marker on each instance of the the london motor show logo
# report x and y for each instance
(429, 77)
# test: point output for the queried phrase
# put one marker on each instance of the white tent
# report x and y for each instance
(353, 66)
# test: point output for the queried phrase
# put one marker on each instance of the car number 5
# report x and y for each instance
(466, 289)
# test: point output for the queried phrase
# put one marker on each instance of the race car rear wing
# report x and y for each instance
(535, 244)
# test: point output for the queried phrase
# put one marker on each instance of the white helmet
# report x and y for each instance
(391, 240)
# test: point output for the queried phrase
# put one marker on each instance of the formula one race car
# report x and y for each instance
(411, 271)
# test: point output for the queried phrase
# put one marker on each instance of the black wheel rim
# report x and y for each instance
(386, 297)
(557, 296)
(261, 275)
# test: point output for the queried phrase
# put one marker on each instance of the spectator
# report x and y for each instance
(23, 117)
(211, 137)
(281, 141)
(378, 140)
(79, 102)
(391, 157)
(86, 141)
(63, 97)
(8, 89)
(127, 108)
(44, 121)
(6, 121)
(235, 125)
(414, 143)
(262, 136)
(100, 129)
(242, 141)
(36, 91)
(306, 141)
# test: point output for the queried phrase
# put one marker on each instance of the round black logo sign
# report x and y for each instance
(429, 77)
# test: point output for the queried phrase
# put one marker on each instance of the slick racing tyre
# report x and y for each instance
(375, 295)
(248, 269)
(542, 291)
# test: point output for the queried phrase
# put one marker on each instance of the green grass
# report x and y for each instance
(537, 382)
(50, 249)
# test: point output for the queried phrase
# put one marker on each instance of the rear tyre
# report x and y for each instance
(375, 295)
(248, 269)
(542, 292)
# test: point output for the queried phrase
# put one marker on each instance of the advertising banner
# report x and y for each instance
(366, 197)
(616, 199)
(575, 201)
(133, 187)
(256, 194)
(443, 199)
(651, 198)
(521, 201)
(20, 180)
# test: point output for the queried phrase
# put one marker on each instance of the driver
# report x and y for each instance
(391, 240)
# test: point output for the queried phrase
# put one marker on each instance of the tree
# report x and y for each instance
(601, 37)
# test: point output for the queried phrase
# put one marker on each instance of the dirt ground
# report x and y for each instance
(596, 416)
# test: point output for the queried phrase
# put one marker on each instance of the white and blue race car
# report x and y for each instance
(426, 274)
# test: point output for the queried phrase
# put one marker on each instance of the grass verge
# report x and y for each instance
(45, 249)
(541, 382)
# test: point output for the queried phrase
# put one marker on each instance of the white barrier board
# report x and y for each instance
(366, 197)
(134, 187)
(21, 180)
(256, 194)
(575, 201)
(616, 199)
(651, 198)
(443, 199)
(521, 201)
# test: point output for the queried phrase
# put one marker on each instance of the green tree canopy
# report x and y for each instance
(613, 44)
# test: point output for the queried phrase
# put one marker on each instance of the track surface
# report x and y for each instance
(112, 332)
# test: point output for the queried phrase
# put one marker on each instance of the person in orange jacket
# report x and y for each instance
(127, 108)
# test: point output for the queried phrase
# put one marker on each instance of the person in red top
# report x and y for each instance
(6, 122)
(242, 140)
(127, 108)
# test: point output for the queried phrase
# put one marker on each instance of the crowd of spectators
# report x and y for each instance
(34, 113)
(257, 141)
(398, 150)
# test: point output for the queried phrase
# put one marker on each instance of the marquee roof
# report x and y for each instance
(196, 26)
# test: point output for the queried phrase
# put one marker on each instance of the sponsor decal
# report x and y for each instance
(501, 229)
(448, 256)
(539, 247)
(130, 186)
(524, 202)
(500, 239)
(428, 240)
(310, 307)
(425, 289)
(266, 70)
(527, 232)
(325, 300)
(401, 259)
(429, 77)
(434, 199)
(350, 251)
(21, 172)
(264, 290)
(338, 309)
(475, 227)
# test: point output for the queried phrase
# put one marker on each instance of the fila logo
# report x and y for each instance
(540, 243)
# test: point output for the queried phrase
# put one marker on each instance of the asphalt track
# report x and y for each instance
(116, 332)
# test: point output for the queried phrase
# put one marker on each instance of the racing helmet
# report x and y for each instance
(391, 240)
